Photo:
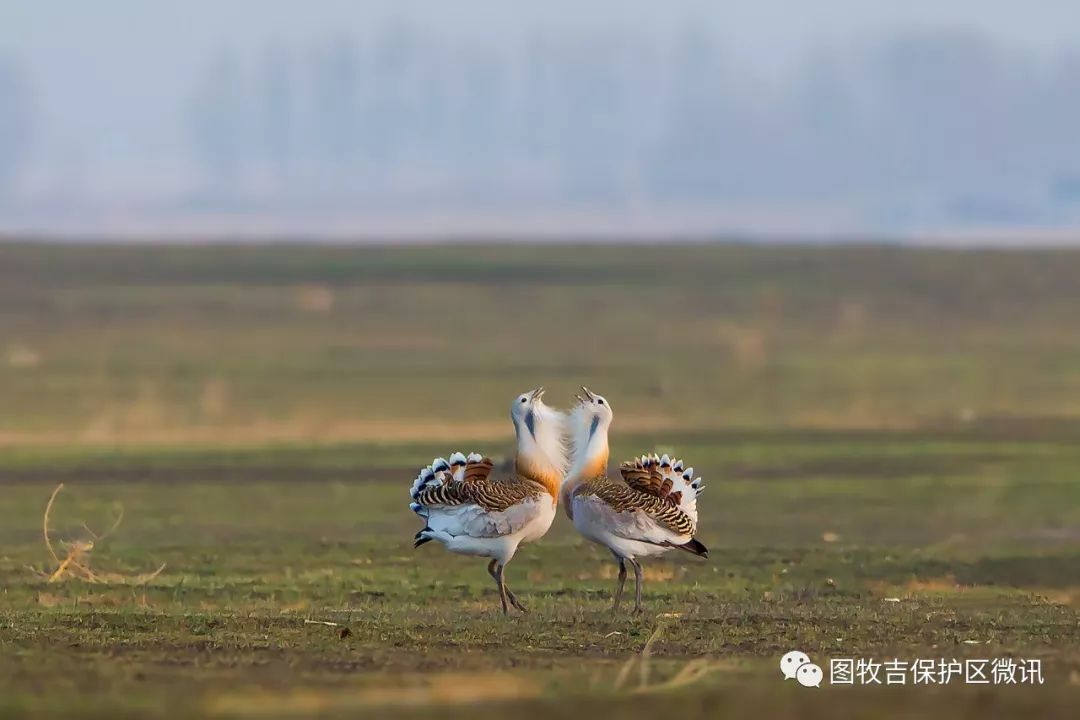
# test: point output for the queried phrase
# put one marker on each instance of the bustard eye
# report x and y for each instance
(522, 399)
(601, 401)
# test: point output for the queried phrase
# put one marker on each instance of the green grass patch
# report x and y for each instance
(842, 545)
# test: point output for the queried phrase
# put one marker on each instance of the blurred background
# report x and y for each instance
(950, 120)
(753, 129)
(260, 260)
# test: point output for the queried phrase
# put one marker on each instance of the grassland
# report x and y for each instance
(249, 345)
(888, 437)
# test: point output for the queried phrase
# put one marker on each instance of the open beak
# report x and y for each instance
(538, 393)
(588, 393)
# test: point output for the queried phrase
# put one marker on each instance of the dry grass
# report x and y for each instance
(435, 691)
(650, 572)
(690, 673)
(75, 564)
(917, 587)
(443, 689)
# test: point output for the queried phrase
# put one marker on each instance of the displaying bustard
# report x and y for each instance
(472, 513)
(650, 511)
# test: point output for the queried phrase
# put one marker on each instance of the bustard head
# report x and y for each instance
(592, 415)
(540, 430)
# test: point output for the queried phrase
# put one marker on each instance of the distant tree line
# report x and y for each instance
(611, 119)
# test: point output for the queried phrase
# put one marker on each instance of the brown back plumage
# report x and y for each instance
(647, 477)
(478, 487)
(478, 471)
(647, 480)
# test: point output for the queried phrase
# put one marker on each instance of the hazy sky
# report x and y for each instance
(112, 78)
(89, 58)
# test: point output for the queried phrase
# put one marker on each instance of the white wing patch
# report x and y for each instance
(592, 512)
(475, 521)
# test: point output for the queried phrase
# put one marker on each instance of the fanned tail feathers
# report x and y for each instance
(665, 477)
(434, 485)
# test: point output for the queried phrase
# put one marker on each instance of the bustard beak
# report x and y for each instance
(538, 393)
(588, 394)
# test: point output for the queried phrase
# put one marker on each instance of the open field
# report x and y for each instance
(890, 439)
(809, 534)
(242, 345)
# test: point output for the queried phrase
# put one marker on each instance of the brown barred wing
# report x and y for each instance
(646, 479)
(458, 497)
(665, 478)
(498, 495)
(477, 469)
(491, 495)
(627, 498)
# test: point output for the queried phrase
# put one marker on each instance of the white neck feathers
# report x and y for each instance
(544, 450)
(590, 445)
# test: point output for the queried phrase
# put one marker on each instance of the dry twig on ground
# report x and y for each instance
(690, 673)
(75, 565)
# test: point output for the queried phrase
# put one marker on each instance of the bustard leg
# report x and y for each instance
(637, 584)
(502, 587)
(509, 593)
(622, 585)
(514, 601)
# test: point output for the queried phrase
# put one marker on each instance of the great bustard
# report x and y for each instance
(473, 513)
(651, 512)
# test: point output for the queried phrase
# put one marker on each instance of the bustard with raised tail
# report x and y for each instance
(652, 510)
(472, 513)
